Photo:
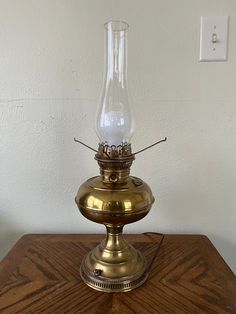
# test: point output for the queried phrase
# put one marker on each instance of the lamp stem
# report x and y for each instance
(114, 239)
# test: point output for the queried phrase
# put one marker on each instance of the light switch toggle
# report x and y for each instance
(214, 38)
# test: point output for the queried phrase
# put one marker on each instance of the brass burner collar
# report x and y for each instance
(114, 162)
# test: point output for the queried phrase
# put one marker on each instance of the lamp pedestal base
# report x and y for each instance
(114, 265)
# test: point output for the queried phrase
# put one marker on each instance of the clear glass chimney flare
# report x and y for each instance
(114, 121)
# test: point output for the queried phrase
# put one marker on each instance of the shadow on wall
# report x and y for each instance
(226, 248)
(9, 234)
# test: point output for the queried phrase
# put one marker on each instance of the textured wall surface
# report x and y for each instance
(51, 61)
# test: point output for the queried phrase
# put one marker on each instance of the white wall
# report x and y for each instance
(51, 68)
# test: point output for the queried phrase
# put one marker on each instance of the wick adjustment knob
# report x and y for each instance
(113, 178)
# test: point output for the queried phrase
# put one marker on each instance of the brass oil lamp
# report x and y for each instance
(114, 198)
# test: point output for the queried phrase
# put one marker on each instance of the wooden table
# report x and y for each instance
(187, 275)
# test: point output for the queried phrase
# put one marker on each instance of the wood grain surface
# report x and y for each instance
(187, 275)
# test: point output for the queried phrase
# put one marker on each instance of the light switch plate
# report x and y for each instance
(214, 38)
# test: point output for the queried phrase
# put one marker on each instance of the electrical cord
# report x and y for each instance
(148, 234)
